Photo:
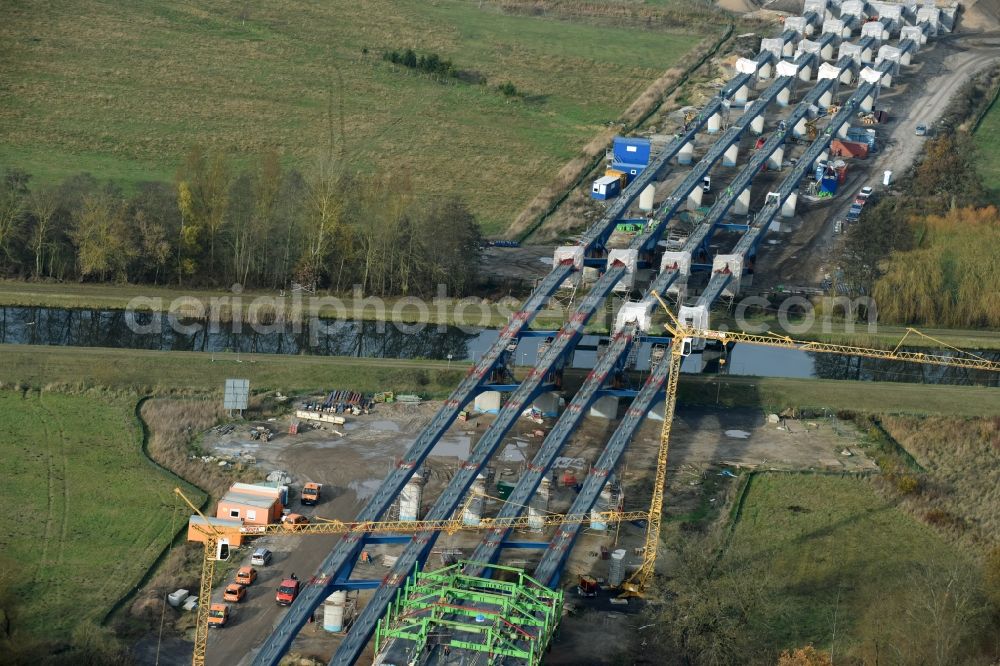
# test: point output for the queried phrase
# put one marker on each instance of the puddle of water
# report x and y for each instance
(737, 434)
(512, 453)
(387, 426)
(452, 446)
(364, 489)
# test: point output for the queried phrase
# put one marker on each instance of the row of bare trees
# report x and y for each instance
(260, 226)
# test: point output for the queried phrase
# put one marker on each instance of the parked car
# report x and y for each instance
(921, 130)
(294, 521)
(865, 192)
(234, 593)
(246, 576)
(261, 557)
(287, 591)
(218, 616)
(706, 183)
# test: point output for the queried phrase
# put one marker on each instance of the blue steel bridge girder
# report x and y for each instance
(562, 541)
(420, 546)
(551, 447)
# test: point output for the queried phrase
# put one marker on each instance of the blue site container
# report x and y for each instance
(631, 150)
(829, 184)
(862, 135)
(606, 187)
(630, 169)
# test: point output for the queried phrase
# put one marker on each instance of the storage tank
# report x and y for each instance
(474, 511)
(333, 611)
(646, 198)
(410, 498)
(538, 506)
(616, 573)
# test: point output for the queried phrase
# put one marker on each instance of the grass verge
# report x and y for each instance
(94, 512)
(835, 549)
(155, 372)
(176, 372)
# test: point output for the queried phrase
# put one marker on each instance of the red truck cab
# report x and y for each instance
(287, 591)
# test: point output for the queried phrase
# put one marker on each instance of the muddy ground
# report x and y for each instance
(351, 460)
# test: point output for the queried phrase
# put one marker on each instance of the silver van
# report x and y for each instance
(261, 557)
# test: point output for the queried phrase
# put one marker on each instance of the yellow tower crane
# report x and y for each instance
(216, 548)
(684, 336)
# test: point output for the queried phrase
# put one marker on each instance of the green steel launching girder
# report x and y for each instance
(500, 618)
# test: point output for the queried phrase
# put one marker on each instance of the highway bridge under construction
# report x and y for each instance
(830, 47)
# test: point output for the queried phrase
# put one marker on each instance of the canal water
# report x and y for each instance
(120, 329)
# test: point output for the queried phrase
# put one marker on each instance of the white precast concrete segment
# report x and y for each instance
(799, 24)
(575, 253)
(914, 33)
(853, 51)
(852, 8)
(746, 66)
(828, 71)
(818, 6)
(640, 314)
(631, 260)
(875, 29)
(836, 27)
(733, 263)
(773, 45)
(871, 75)
(786, 68)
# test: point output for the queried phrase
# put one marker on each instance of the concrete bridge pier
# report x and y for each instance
(488, 402)
(799, 130)
(742, 204)
(757, 125)
(741, 95)
(826, 99)
(823, 157)
(867, 104)
(605, 407)
(714, 123)
(547, 404)
(788, 205)
(729, 157)
(764, 71)
(842, 131)
(694, 199)
(784, 96)
(686, 154)
(776, 158)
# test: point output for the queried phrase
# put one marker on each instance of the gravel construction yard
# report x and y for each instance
(351, 460)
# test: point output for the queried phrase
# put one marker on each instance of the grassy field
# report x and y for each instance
(988, 142)
(187, 372)
(836, 549)
(89, 514)
(122, 91)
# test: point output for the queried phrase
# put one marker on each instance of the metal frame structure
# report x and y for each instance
(499, 618)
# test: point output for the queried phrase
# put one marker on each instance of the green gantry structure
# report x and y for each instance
(448, 609)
